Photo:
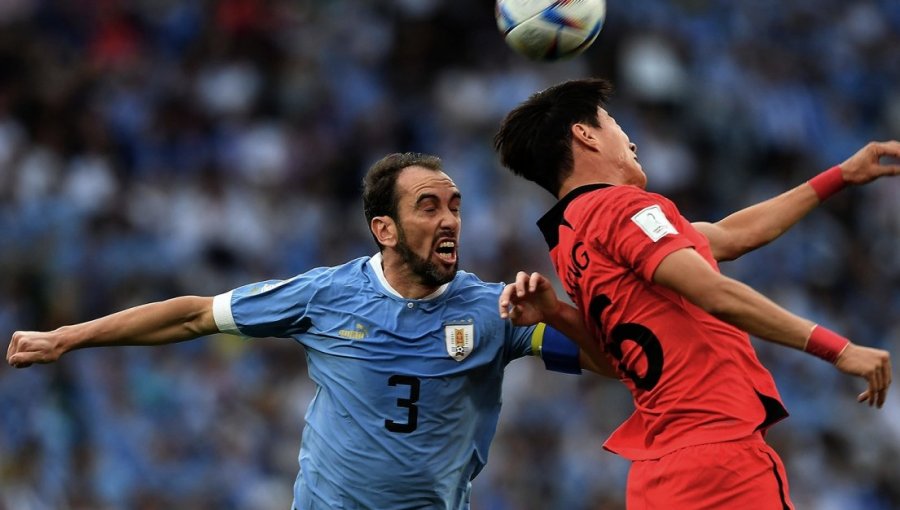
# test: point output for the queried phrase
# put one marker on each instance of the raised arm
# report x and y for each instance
(174, 320)
(757, 225)
(685, 272)
(531, 299)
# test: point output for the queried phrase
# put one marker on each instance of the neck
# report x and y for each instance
(402, 279)
(570, 184)
(586, 173)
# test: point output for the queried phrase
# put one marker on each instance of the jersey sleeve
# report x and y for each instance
(638, 229)
(519, 340)
(274, 308)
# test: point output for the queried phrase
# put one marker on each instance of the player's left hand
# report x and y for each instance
(873, 365)
(531, 299)
(866, 166)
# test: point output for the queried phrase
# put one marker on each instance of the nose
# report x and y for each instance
(450, 220)
(633, 147)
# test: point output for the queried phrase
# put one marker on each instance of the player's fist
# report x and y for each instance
(866, 164)
(29, 347)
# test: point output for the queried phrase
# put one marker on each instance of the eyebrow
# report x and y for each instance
(431, 196)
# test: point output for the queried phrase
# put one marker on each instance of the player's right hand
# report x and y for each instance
(531, 299)
(874, 365)
(29, 347)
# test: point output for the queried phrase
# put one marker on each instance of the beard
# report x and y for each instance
(429, 273)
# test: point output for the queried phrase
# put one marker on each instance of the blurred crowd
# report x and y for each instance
(153, 148)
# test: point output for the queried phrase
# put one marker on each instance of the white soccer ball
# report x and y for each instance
(550, 29)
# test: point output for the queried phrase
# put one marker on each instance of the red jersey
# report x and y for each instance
(694, 378)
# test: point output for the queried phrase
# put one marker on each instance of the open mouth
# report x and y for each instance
(446, 251)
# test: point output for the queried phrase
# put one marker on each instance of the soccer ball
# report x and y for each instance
(550, 29)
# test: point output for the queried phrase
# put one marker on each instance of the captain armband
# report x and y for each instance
(825, 344)
(828, 183)
(558, 352)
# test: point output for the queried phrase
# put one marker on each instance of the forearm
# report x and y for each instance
(568, 320)
(685, 272)
(174, 320)
(741, 306)
(169, 321)
(745, 308)
(764, 222)
(760, 224)
(596, 364)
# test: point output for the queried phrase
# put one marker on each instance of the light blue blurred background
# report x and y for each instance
(153, 148)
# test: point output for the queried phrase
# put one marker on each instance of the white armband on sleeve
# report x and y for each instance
(222, 314)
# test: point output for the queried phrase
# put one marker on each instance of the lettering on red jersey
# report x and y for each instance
(579, 260)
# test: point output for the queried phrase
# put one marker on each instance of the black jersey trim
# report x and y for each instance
(550, 222)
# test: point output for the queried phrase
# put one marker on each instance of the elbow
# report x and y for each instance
(727, 254)
(752, 240)
(201, 324)
(735, 249)
(719, 299)
(197, 319)
(194, 329)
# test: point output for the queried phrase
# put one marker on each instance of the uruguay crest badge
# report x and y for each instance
(460, 338)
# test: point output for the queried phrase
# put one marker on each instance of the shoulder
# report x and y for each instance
(349, 278)
(621, 203)
(476, 299)
(617, 197)
(467, 283)
(327, 277)
(471, 281)
(350, 269)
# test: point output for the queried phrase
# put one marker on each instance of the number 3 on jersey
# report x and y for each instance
(412, 417)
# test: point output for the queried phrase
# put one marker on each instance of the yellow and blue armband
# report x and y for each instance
(558, 352)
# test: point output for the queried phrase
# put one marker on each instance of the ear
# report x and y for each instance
(583, 134)
(385, 230)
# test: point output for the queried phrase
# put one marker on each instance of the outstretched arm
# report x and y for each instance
(174, 320)
(757, 225)
(531, 299)
(688, 274)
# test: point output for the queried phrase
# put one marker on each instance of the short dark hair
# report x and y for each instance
(535, 138)
(380, 183)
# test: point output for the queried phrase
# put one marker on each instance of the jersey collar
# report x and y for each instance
(549, 223)
(375, 264)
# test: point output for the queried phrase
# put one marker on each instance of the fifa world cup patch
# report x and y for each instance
(460, 338)
(654, 223)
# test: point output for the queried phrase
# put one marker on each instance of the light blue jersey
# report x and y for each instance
(408, 390)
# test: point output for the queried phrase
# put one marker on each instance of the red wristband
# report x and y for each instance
(828, 182)
(825, 344)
